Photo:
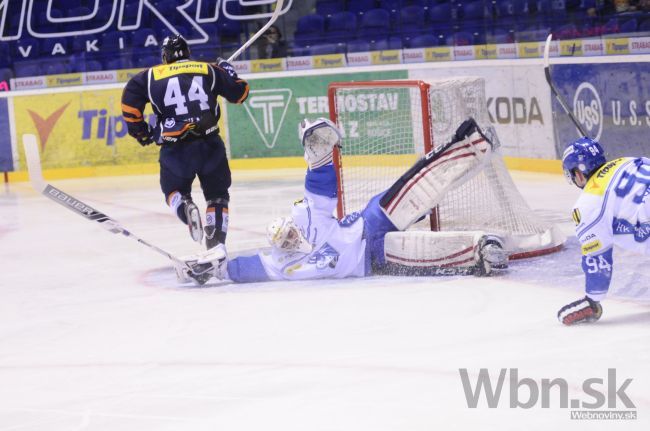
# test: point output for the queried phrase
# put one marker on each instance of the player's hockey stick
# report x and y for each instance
(75, 205)
(276, 13)
(547, 73)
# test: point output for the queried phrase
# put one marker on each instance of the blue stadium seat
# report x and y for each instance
(205, 52)
(473, 11)
(117, 63)
(394, 7)
(514, 14)
(146, 61)
(327, 48)
(423, 41)
(27, 68)
(329, 7)
(309, 29)
(6, 74)
(55, 67)
(570, 31)
(111, 40)
(424, 3)
(374, 23)
(391, 5)
(412, 22)
(512, 7)
(442, 17)
(358, 46)
(645, 26)
(139, 39)
(340, 26)
(5, 55)
(229, 28)
(501, 35)
(463, 38)
(441, 13)
(360, 7)
(383, 44)
(629, 26)
(93, 66)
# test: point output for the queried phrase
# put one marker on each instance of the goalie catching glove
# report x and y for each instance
(318, 138)
(584, 310)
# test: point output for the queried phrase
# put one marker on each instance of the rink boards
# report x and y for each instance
(81, 131)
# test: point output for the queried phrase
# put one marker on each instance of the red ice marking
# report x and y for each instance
(5, 230)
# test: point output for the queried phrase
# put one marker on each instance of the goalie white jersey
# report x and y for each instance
(612, 210)
(338, 247)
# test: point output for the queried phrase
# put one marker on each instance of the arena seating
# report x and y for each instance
(333, 26)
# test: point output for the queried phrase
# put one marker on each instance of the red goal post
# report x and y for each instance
(419, 87)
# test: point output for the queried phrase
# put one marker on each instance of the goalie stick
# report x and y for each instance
(549, 80)
(276, 13)
(75, 205)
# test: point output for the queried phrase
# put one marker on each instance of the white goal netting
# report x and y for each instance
(389, 124)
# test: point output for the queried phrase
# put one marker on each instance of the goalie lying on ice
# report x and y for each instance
(312, 243)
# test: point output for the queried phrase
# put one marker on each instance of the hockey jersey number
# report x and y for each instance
(174, 95)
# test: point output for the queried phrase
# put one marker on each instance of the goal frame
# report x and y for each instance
(428, 145)
(422, 87)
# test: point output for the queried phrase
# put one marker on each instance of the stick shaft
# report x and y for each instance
(74, 204)
(278, 11)
(558, 96)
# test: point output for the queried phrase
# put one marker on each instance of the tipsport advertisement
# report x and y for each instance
(80, 129)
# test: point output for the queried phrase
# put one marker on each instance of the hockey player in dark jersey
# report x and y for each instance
(183, 95)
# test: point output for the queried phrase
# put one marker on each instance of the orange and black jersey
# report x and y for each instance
(184, 93)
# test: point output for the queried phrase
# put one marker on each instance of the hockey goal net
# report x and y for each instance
(388, 125)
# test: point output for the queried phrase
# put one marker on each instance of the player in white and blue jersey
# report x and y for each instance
(312, 244)
(612, 210)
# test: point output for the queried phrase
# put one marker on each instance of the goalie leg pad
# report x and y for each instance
(423, 186)
(442, 253)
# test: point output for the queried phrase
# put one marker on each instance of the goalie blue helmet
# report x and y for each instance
(174, 48)
(584, 155)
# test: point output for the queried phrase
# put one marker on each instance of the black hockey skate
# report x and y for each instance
(193, 217)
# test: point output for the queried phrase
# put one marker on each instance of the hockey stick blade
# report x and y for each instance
(77, 206)
(549, 80)
(279, 4)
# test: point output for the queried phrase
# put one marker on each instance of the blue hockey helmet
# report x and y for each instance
(584, 155)
(174, 48)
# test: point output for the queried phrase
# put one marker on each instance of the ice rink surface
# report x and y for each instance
(95, 333)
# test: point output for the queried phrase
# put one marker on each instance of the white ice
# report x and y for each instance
(95, 333)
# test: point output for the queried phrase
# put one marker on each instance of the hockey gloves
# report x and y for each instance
(145, 135)
(230, 70)
(584, 310)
